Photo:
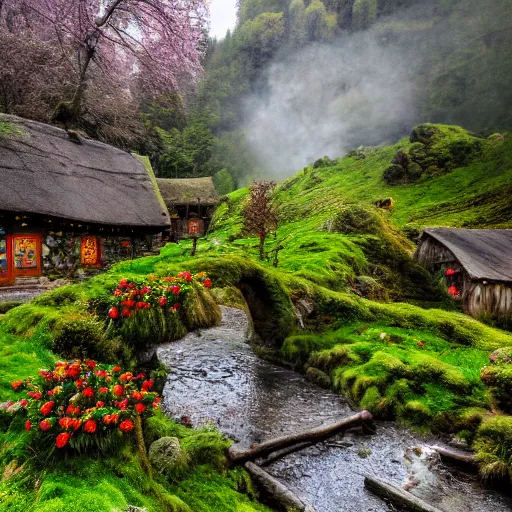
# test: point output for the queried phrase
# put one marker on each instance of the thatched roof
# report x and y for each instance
(188, 191)
(484, 253)
(43, 171)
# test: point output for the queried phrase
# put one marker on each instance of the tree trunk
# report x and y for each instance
(141, 446)
(276, 490)
(316, 434)
(397, 495)
(194, 246)
(263, 235)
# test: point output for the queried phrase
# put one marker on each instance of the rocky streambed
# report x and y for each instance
(217, 378)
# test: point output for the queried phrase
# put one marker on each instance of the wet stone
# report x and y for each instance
(251, 401)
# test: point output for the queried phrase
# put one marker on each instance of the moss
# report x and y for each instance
(493, 446)
(319, 377)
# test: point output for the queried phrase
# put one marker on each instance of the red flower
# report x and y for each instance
(123, 405)
(47, 408)
(90, 426)
(144, 290)
(62, 439)
(147, 385)
(131, 286)
(118, 390)
(66, 423)
(126, 313)
(123, 283)
(450, 272)
(28, 425)
(35, 395)
(45, 425)
(452, 290)
(113, 313)
(117, 293)
(99, 403)
(110, 418)
(116, 369)
(176, 306)
(162, 301)
(76, 424)
(127, 376)
(16, 385)
(126, 426)
(207, 283)
(73, 370)
(103, 389)
(186, 275)
(136, 395)
(140, 408)
(50, 393)
(101, 374)
(88, 392)
(23, 402)
(91, 364)
(156, 402)
(175, 289)
(71, 409)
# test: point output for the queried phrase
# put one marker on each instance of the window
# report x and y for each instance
(90, 251)
(193, 226)
(4, 264)
(25, 252)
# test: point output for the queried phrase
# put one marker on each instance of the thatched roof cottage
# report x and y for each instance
(66, 201)
(191, 203)
(477, 264)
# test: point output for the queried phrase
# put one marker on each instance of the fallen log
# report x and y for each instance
(463, 460)
(397, 495)
(274, 489)
(316, 434)
(272, 457)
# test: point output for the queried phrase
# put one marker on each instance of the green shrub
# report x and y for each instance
(493, 446)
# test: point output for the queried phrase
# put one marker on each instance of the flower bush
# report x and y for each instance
(83, 404)
(168, 293)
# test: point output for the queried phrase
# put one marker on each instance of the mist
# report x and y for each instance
(328, 99)
(372, 87)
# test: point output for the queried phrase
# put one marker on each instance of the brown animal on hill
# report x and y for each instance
(385, 203)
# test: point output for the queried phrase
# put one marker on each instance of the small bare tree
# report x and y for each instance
(260, 217)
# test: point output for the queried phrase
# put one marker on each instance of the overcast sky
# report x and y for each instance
(222, 17)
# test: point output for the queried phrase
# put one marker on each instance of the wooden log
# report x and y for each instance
(316, 434)
(272, 457)
(276, 490)
(397, 495)
(466, 461)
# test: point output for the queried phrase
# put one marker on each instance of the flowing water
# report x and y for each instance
(216, 377)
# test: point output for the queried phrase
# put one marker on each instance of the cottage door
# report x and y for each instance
(5, 259)
(26, 255)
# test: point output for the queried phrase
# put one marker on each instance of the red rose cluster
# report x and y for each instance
(78, 400)
(154, 292)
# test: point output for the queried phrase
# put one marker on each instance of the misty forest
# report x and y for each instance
(268, 271)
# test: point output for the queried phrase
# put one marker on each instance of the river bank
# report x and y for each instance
(217, 378)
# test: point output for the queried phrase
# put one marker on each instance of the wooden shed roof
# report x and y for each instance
(178, 192)
(484, 253)
(43, 171)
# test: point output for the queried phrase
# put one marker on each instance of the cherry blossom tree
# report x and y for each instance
(124, 47)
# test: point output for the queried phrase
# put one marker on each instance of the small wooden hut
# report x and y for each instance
(69, 203)
(477, 265)
(191, 203)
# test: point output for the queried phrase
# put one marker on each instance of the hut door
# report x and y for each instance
(26, 251)
(5, 260)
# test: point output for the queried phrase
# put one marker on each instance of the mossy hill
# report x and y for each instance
(343, 267)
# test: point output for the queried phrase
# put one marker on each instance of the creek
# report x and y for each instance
(217, 378)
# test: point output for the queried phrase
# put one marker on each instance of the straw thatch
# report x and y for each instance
(44, 171)
(191, 191)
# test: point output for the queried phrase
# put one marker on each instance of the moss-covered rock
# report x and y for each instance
(166, 456)
(319, 377)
